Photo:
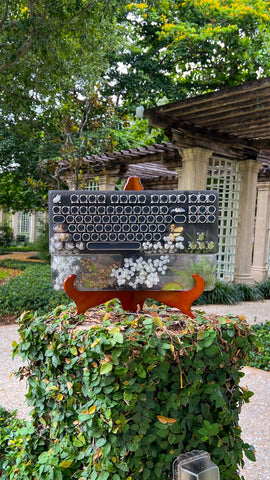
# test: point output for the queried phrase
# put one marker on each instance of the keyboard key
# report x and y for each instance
(128, 210)
(101, 210)
(74, 210)
(119, 209)
(95, 237)
(113, 246)
(180, 219)
(137, 210)
(59, 219)
(103, 237)
(85, 237)
(57, 210)
(112, 237)
(146, 209)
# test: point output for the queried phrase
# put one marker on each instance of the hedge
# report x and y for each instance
(121, 396)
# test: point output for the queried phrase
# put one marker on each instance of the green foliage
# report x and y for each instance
(6, 234)
(31, 290)
(123, 400)
(16, 264)
(182, 48)
(226, 293)
(42, 244)
(261, 358)
(10, 430)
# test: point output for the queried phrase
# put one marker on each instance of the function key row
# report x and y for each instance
(141, 198)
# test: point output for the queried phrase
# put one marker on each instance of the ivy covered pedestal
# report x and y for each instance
(118, 396)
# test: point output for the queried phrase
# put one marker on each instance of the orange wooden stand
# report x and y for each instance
(130, 299)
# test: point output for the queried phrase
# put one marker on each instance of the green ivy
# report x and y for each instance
(261, 358)
(121, 399)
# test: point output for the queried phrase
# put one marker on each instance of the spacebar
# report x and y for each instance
(113, 246)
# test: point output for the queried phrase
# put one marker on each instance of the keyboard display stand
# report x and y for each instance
(131, 299)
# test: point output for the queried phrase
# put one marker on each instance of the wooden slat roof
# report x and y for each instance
(150, 171)
(235, 119)
(147, 153)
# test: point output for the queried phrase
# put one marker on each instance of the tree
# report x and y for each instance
(48, 46)
(51, 51)
(181, 48)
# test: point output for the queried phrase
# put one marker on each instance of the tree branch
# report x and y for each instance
(23, 50)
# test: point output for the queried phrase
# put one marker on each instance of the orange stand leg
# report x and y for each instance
(131, 299)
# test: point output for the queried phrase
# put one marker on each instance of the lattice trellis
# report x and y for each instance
(224, 176)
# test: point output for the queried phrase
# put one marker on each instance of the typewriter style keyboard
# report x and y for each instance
(85, 222)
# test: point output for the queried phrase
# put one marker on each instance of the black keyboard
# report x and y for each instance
(82, 222)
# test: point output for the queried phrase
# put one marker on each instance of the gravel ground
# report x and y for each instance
(255, 416)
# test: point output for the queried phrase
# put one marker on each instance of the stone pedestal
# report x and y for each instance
(245, 235)
(193, 174)
(259, 269)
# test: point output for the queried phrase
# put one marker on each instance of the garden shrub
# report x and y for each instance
(228, 294)
(121, 396)
(261, 358)
(31, 290)
(10, 434)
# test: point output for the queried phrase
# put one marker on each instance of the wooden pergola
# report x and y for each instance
(232, 124)
(233, 121)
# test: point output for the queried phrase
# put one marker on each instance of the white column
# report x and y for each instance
(193, 175)
(32, 227)
(245, 235)
(259, 269)
(107, 182)
(14, 223)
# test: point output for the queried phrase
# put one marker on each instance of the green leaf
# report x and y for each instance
(141, 371)
(65, 463)
(106, 368)
(250, 454)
